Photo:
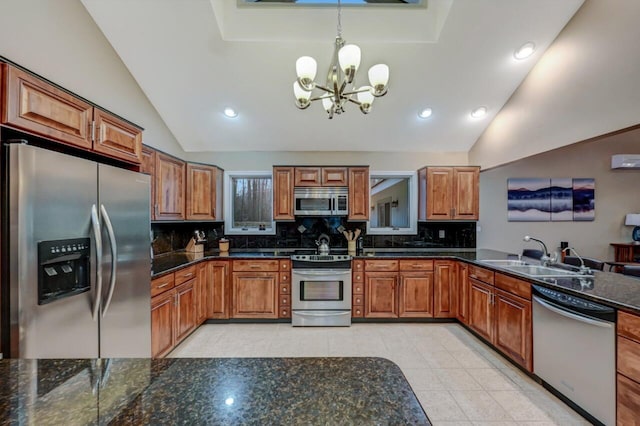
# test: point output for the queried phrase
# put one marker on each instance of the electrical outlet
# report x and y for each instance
(441, 233)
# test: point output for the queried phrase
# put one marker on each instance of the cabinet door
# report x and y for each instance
(334, 176)
(201, 192)
(308, 176)
(358, 193)
(163, 324)
(148, 166)
(628, 399)
(445, 289)
(415, 298)
(117, 138)
(219, 277)
(513, 333)
(466, 193)
(422, 194)
(380, 295)
(38, 107)
(463, 293)
(170, 188)
(255, 294)
(202, 290)
(283, 193)
(439, 201)
(481, 308)
(185, 310)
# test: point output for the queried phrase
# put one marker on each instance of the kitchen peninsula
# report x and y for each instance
(256, 391)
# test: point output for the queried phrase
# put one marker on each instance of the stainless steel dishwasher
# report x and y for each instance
(574, 350)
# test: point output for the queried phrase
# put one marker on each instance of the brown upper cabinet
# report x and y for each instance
(449, 193)
(321, 176)
(201, 192)
(148, 166)
(170, 188)
(283, 193)
(38, 107)
(358, 193)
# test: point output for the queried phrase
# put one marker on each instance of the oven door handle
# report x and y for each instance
(323, 314)
(323, 272)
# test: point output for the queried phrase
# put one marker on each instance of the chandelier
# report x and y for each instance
(340, 87)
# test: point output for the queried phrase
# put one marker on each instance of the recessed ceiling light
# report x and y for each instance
(525, 51)
(425, 113)
(230, 112)
(479, 112)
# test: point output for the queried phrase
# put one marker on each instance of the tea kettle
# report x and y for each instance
(323, 244)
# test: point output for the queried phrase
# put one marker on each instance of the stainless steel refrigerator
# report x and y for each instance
(78, 256)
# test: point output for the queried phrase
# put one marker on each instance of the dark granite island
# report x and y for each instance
(220, 391)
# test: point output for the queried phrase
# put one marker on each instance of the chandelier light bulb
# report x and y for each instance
(525, 51)
(306, 68)
(379, 77)
(327, 103)
(349, 56)
(302, 96)
(365, 98)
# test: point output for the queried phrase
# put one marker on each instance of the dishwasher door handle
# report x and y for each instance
(572, 315)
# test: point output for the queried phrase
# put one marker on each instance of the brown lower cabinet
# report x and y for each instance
(628, 366)
(503, 318)
(445, 289)
(462, 296)
(398, 289)
(185, 309)
(218, 308)
(163, 336)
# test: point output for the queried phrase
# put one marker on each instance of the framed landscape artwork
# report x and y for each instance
(550, 199)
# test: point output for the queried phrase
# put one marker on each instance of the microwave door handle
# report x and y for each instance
(333, 205)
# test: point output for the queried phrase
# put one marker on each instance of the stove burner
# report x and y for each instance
(320, 257)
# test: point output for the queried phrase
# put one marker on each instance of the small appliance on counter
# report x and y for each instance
(223, 245)
(196, 243)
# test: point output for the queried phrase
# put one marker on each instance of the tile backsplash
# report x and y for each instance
(303, 232)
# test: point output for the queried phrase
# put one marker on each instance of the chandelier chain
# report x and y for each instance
(339, 19)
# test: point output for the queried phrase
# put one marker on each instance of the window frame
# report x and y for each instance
(412, 229)
(228, 203)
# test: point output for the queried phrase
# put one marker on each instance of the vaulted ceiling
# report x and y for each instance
(193, 58)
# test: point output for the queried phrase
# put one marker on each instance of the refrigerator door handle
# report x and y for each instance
(114, 257)
(95, 222)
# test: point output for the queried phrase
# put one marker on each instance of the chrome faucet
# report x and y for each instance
(546, 258)
(583, 268)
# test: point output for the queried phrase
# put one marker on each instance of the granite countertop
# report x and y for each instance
(613, 289)
(228, 391)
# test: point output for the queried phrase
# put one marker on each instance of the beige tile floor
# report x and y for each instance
(457, 378)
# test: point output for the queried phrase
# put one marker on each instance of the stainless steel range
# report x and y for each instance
(321, 290)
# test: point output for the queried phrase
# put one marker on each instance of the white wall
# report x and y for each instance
(617, 193)
(400, 214)
(379, 161)
(58, 40)
(585, 85)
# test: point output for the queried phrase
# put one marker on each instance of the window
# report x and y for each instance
(393, 203)
(249, 203)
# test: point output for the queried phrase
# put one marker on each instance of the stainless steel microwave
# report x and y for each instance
(321, 201)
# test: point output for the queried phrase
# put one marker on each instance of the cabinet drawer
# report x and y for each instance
(186, 274)
(358, 299)
(628, 401)
(357, 312)
(285, 265)
(416, 265)
(481, 274)
(629, 326)
(284, 312)
(358, 288)
(357, 277)
(358, 265)
(629, 358)
(256, 265)
(513, 285)
(380, 265)
(285, 277)
(162, 284)
(284, 300)
(284, 289)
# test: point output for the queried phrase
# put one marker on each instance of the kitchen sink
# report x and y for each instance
(503, 263)
(540, 271)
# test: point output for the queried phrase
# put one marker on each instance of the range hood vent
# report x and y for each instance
(625, 161)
